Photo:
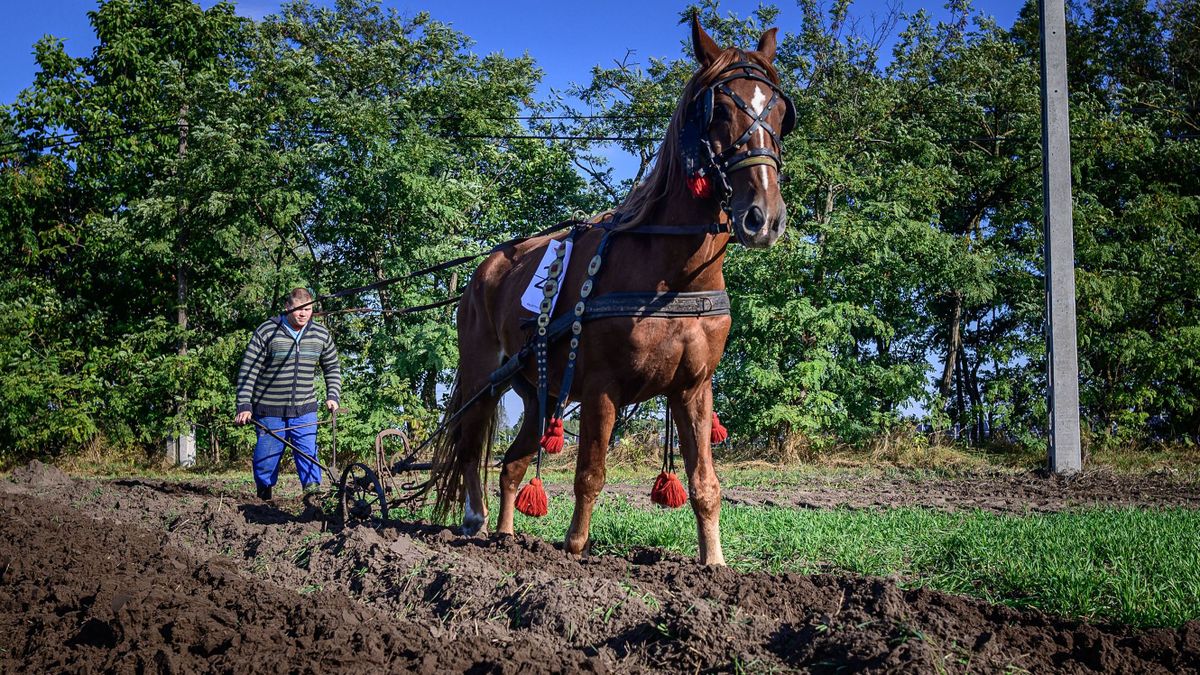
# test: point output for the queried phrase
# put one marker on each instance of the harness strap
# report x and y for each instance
(576, 321)
(758, 117)
(753, 158)
(643, 305)
(710, 228)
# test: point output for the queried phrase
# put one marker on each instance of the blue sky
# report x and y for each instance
(566, 39)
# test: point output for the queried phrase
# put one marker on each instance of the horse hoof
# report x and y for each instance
(578, 548)
(470, 528)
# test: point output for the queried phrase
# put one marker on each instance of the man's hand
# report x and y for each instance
(242, 417)
(332, 405)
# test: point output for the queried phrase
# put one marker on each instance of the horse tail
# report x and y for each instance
(454, 449)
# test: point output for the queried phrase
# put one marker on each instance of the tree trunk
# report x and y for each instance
(975, 394)
(953, 340)
(429, 389)
(960, 406)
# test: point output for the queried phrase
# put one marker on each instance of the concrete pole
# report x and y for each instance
(1062, 355)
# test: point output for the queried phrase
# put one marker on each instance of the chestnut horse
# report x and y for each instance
(733, 107)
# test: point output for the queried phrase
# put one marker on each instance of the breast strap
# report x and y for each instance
(645, 305)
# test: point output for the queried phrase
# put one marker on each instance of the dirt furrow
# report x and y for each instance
(133, 574)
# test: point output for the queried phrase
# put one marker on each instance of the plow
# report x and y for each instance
(366, 489)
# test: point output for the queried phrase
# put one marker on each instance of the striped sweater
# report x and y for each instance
(276, 377)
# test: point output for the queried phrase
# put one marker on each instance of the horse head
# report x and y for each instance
(734, 116)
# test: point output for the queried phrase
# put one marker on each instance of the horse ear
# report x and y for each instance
(766, 44)
(706, 49)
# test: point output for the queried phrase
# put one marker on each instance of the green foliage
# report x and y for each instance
(160, 195)
(328, 148)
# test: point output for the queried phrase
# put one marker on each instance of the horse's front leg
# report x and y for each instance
(596, 421)
(520, 453)
(692, 410)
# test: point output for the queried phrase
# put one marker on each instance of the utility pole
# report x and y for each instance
(181, 448)
(1061, 350)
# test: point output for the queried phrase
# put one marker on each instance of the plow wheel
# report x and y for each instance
(362, 497)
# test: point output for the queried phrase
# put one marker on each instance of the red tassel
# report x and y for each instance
(668, 491)
(700, 186)
(532, 500)
(719, 433)
(552, 440)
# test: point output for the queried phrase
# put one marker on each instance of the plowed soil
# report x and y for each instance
(152, 576)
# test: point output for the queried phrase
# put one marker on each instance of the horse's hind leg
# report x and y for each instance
(476, 427)
(519, 454)
(595, 429)
(473, 432)
(692, 410)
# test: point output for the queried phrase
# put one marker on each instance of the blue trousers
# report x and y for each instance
(268, 449)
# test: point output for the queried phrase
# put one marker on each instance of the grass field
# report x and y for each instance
(1135, 566)
(1129, 565)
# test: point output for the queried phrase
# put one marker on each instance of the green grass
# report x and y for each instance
(1134, 566)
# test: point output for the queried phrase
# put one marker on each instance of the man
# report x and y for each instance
(275, 386)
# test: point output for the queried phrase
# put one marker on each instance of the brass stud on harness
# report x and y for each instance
(576, 328)
(594, 265)
(586, 289)
(579, 308)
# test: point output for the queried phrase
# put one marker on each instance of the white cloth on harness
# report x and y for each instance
(531, 299)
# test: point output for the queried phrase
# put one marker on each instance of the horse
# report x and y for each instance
(715, 181)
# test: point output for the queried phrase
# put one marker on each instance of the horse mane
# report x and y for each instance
(666, 180)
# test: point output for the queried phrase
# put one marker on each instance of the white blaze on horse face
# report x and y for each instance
(757, 103)
(759, 100)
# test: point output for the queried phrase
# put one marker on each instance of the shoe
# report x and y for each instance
(312, 489)
(264, 492)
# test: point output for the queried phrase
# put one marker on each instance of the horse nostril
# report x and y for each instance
(754, 219)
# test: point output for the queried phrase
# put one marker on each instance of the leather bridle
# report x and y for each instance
(700, 162)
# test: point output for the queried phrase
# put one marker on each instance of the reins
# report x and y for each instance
(701, 165)
(609, 226)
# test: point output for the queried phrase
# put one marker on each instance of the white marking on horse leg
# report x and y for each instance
(710, 538)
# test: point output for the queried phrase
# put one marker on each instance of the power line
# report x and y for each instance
(77, 139)
(72, 138)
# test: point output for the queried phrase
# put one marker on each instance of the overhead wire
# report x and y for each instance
(80, 138)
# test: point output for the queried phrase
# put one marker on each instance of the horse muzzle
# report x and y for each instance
(755, 227)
